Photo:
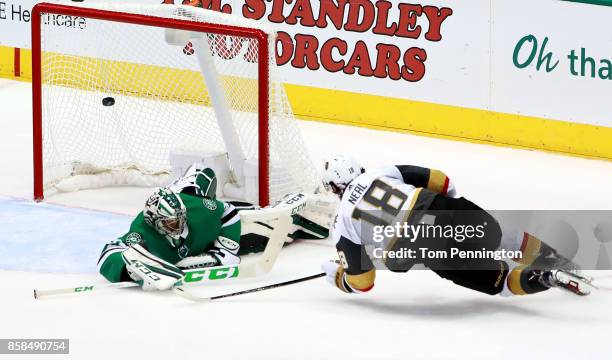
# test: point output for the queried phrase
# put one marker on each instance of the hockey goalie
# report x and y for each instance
(183, 226)
(415, 196)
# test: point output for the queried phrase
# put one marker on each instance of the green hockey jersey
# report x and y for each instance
(206, 220)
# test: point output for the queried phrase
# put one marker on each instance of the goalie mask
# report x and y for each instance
(339, 172)
(166, 213)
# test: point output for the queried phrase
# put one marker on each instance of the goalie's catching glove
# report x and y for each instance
(223, 252)
(153, 272)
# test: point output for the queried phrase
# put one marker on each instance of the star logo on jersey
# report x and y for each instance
(183, 251)
(133, 239)
(210, 204)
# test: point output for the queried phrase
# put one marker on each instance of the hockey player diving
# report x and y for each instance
(182, 226)
(412, 194)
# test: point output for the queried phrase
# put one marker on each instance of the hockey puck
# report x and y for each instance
(188, 49)
(108, 101)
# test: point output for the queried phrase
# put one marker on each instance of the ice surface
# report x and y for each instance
(33, 232)
(409, 316)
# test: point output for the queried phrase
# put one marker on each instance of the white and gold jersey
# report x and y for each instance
(377, 197)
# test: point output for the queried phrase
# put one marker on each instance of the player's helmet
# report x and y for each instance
(197, 180)
(339, 172)
(166, 213)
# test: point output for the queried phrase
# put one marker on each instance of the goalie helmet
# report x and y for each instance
(339, 172)
(166, 213)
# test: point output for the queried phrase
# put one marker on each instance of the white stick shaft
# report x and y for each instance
(38, 294)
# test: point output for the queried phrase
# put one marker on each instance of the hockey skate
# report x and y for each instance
(568, 280)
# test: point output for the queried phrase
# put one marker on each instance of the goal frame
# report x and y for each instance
(263, 74)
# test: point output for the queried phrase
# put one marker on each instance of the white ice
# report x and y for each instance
(415, 315)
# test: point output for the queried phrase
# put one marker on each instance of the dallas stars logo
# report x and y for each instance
(133, 239)
(210, 204)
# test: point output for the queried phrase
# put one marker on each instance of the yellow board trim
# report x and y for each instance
(147, 81)
(7, 62)
(400, 115)
(26, 64)
(464, 124)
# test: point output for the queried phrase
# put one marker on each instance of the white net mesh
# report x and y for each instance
(161, 102)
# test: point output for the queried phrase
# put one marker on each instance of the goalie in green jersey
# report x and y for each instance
(182, 226)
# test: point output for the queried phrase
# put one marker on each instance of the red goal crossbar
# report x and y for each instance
(263, 76)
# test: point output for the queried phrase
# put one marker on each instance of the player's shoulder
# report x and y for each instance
(189, 198)
(138, 223)
(139, 232)
(389, 171)
(358, 187)
(196, 201)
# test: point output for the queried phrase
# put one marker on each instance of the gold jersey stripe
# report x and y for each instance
(530, 248)
(438, 181)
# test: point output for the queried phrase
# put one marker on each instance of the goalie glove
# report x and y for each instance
(223, 252)
(153, 272)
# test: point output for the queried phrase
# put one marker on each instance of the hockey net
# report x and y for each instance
(121, 88)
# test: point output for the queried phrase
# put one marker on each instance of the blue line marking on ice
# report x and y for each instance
(50, 238)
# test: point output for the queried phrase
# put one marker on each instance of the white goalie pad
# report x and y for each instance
(311, 215)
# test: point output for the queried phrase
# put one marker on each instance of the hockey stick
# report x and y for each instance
(198, 276)
(84, 288)
(191, 276)
(189, 296)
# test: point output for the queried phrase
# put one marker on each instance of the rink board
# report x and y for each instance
(477, 85)
(465, 124)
